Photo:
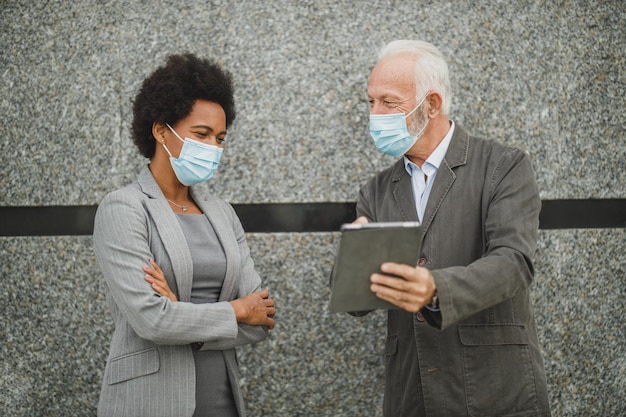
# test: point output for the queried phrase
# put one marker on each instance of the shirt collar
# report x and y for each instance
(435, 158)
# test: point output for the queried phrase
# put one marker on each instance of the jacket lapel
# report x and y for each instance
(403, 192)
(455, 156)
(170, 234)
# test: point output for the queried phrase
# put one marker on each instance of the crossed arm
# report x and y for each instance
(256, 309)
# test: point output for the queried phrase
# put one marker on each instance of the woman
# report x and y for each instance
(178, 358)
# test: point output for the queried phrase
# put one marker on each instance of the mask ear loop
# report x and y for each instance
(167, 150)
(416, 107)
(181, 139)
(163, 142)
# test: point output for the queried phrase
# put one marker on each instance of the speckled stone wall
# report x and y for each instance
(544, 76)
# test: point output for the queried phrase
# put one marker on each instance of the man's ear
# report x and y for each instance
(158, 131)
(435, 102)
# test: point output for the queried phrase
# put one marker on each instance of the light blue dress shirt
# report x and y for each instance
(422, 178)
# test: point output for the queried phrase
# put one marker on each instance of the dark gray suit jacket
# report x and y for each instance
(479, 356)
(150, 370)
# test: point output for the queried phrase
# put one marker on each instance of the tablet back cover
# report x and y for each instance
(360, 253)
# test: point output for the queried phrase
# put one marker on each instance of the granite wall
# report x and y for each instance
(546, 76)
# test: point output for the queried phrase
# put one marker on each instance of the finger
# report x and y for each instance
(411, 290)
(407, 272)
(401, 299)
(398, 288)
(167, 294)
(396, 283)
(412, 307)
(157, 274)
(153, 280)
(154, 275)
(392, 293)
(360, 220)
(159, 287)
(155, 266)
(264, 293)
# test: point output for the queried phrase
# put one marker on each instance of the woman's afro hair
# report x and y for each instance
(170, 92)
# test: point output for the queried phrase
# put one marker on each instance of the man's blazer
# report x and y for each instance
(479, 355)
(150, 370)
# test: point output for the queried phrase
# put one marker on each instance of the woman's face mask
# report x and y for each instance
(391, 133)
(197, 161)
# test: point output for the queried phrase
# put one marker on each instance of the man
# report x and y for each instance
(463, 341)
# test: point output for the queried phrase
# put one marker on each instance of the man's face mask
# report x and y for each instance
(391, 134)
(197, 161)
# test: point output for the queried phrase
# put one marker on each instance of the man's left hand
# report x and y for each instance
(413, 290)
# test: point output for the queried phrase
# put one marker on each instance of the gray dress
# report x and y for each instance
(213, 392)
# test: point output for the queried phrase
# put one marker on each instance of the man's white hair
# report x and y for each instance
(431, 69)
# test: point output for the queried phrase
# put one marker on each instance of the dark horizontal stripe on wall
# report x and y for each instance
(298, 217)
(255, 218)
(46, 220)
(582, 214)
(294, 217)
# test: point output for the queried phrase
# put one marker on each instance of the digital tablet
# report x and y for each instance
(362, 249)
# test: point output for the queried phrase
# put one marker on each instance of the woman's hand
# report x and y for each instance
(256, 309)
(156, 278)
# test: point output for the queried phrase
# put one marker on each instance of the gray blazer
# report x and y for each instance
(150, 370)
(478, 356)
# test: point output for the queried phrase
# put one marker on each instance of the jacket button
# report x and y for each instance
(419, 316)
(421, 262)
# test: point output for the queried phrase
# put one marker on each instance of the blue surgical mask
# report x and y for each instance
(197, 161)
(391, 134)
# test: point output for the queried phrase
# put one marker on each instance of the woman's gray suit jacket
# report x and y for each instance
(150, 370)
(478, 356)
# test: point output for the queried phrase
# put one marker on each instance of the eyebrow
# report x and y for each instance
(387, 96)
(209, 128)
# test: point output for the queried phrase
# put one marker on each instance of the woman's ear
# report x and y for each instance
(158, 131)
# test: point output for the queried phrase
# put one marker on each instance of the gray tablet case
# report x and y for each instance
(361, 251)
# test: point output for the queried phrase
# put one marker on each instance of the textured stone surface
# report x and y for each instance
(315, 363)
(548, 77)
(579, 294)
(55, 327)
(545, 76)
